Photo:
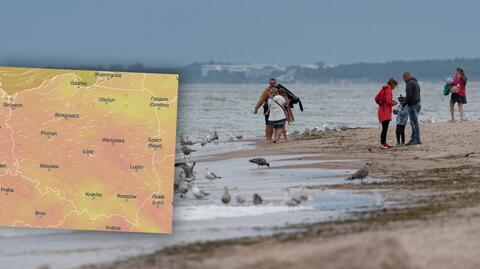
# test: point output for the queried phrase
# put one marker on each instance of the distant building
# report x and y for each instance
(250, 71)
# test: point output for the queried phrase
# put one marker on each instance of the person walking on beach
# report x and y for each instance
(263, 101)
(412, 99)
(402, 118)
(458, 90)
(288, 110)
(277, 115)
(384, 99)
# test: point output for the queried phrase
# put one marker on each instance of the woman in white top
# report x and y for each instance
(277, 117)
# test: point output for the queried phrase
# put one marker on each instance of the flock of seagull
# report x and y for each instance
(186, 180)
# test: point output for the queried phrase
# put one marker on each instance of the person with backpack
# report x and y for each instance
(385, 101)
(277, 114)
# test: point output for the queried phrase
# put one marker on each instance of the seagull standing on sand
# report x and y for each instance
(215, 135)
(260, 162)
(240, 199)
(182, 141)
(293, 201)
(290, 200)
(226, 196)
(199, 194)
(210, 175)
(185, 141)
(360, 174)
(187, 151)
(257, 199)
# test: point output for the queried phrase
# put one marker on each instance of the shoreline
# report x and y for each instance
(437, 208)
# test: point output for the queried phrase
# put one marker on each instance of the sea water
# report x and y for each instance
(228, 109)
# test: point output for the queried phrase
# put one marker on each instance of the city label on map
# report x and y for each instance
(154, 143)
(48, 134)
(159, 102)
(6, 190)
(12, 105)
(93, 195)
(87, 150)
(158, 200)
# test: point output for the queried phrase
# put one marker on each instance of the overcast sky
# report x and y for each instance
(161, 33)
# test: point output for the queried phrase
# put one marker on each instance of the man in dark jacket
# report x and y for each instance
(412, 99)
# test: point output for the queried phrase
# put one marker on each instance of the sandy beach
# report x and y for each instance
(434, 223)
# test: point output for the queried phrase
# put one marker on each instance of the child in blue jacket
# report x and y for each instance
(402, 119)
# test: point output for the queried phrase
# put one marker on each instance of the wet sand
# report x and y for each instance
(435, 222)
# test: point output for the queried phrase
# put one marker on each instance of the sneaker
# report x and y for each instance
(384, 146)
(388, 146)
(411, 143)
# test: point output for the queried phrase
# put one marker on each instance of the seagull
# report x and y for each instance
(199, 194)
(260, 162)
(360, 174)
(303, 197)
(210, 175)
(185, 141)
(240, 199)
(231, 138)
(187, 170)
(203, 143)
(290, 200)
(186, 150)
(182, 141)
(181, 187)
(293, 201)
(209, 138)
(215, 135)
(257, 199)
(226, 196)
(239, 137)
(325, 126)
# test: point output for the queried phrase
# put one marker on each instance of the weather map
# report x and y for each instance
(88, 150)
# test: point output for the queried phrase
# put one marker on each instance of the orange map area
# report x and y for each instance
(89, 150)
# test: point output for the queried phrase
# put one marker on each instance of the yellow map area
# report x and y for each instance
(90, 150)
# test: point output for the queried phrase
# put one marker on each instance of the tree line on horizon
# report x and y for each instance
(431, 70)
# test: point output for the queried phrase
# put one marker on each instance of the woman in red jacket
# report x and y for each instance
(385, 102)
(459, 97)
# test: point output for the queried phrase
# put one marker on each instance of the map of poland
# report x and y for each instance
(89, 150)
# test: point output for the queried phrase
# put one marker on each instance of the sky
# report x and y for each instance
(180, 32)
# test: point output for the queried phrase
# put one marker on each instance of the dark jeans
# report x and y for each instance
(413, 111)
(400, 132)
(383, 135)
